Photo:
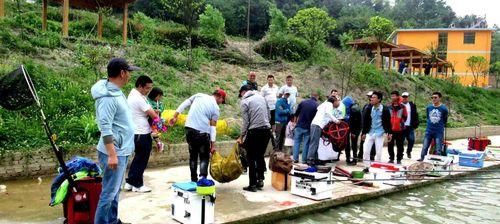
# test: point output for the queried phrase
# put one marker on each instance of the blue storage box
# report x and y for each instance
(471, 159)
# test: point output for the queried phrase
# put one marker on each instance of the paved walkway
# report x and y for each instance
(234, 204)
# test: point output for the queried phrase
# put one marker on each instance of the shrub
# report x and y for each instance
(212, 25)
(288, 47)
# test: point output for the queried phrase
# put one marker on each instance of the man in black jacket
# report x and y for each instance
(376, 123)
(353, 118)
(411, 122)
(363, 112)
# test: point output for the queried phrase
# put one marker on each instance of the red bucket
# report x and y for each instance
(478, 144)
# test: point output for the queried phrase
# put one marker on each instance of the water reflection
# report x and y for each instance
(457, 202)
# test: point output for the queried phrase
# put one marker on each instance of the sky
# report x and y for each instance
(490, 8)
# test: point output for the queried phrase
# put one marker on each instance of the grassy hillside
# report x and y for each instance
(64, 70)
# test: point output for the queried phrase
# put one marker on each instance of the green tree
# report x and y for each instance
(235, 15)
(278, 24)
(313, 24)
(478, 66)
(495, 72)
(422, 13)
(188, 11)
(212, 25)
(379, 28)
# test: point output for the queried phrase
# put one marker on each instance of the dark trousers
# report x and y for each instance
(255, 144)
(409, 135)
(398, 139)
(372, 153)
(199, 147)
(143, 146)
(352, 145)
(280, 135)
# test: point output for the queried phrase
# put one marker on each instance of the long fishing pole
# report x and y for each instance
(406, 179)
(444, 171)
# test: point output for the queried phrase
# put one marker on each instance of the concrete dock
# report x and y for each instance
(233, 205)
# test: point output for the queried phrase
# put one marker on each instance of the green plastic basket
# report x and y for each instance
(205, 190)
(357, 174)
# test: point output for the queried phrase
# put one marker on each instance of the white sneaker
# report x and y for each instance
(127, 187)
(142, 189)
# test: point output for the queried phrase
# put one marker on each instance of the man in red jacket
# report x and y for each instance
(398, 118)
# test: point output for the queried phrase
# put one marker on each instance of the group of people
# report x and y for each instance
(272, 113)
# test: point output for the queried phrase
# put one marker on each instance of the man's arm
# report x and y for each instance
(106, 110)
(182, 107)
(246, 119)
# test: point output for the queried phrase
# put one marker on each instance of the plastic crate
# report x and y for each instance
(471, 159)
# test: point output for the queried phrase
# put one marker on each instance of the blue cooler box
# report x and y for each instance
(471, 159)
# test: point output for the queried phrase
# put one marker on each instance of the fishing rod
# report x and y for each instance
(444, 171)
(409, 179)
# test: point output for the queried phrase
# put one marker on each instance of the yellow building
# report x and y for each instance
(454, 45)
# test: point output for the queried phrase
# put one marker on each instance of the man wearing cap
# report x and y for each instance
(141, 111)
(255, 135)
(411, 122)
(114, 119)
(282, 116)
(201, 128)
(251, 81)
(364, 111)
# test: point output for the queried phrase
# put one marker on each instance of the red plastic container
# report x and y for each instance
(80, 207)
(478, 144)
(384, 166)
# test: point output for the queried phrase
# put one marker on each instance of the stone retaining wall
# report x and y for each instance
(42, 162)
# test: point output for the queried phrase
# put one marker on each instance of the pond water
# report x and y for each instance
(457, 202)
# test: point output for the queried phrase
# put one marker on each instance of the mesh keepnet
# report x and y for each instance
(15, 91)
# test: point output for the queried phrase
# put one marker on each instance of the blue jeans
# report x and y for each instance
(107, 208)
(409, 135)
(438, 139)
(312, 154)
(301, 135)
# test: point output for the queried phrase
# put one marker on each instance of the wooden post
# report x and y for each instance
(65, 22)
(421, 64)
(99, 26)
(378, 60)
(390, 59)
(2, 8)
(125, 18)
(44, 15)
(411, 63)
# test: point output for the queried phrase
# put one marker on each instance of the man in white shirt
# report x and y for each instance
(289, 87)
(270, 92)
(323, 116)
(141, 111)
(201, 128)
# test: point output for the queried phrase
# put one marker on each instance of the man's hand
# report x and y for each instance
(113, 162)
(353, 135)
(239, 140)
(337, 121)
(212, 147)
(389, 137)
(172, 121)
(363, 136)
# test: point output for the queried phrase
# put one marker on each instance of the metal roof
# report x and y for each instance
(445, 29)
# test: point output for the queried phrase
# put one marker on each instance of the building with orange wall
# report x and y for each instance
(454, 45)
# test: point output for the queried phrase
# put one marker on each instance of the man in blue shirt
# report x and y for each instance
(437, 117)
(282, 116)
(377, 122)
(116, 143)
(304, 116)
